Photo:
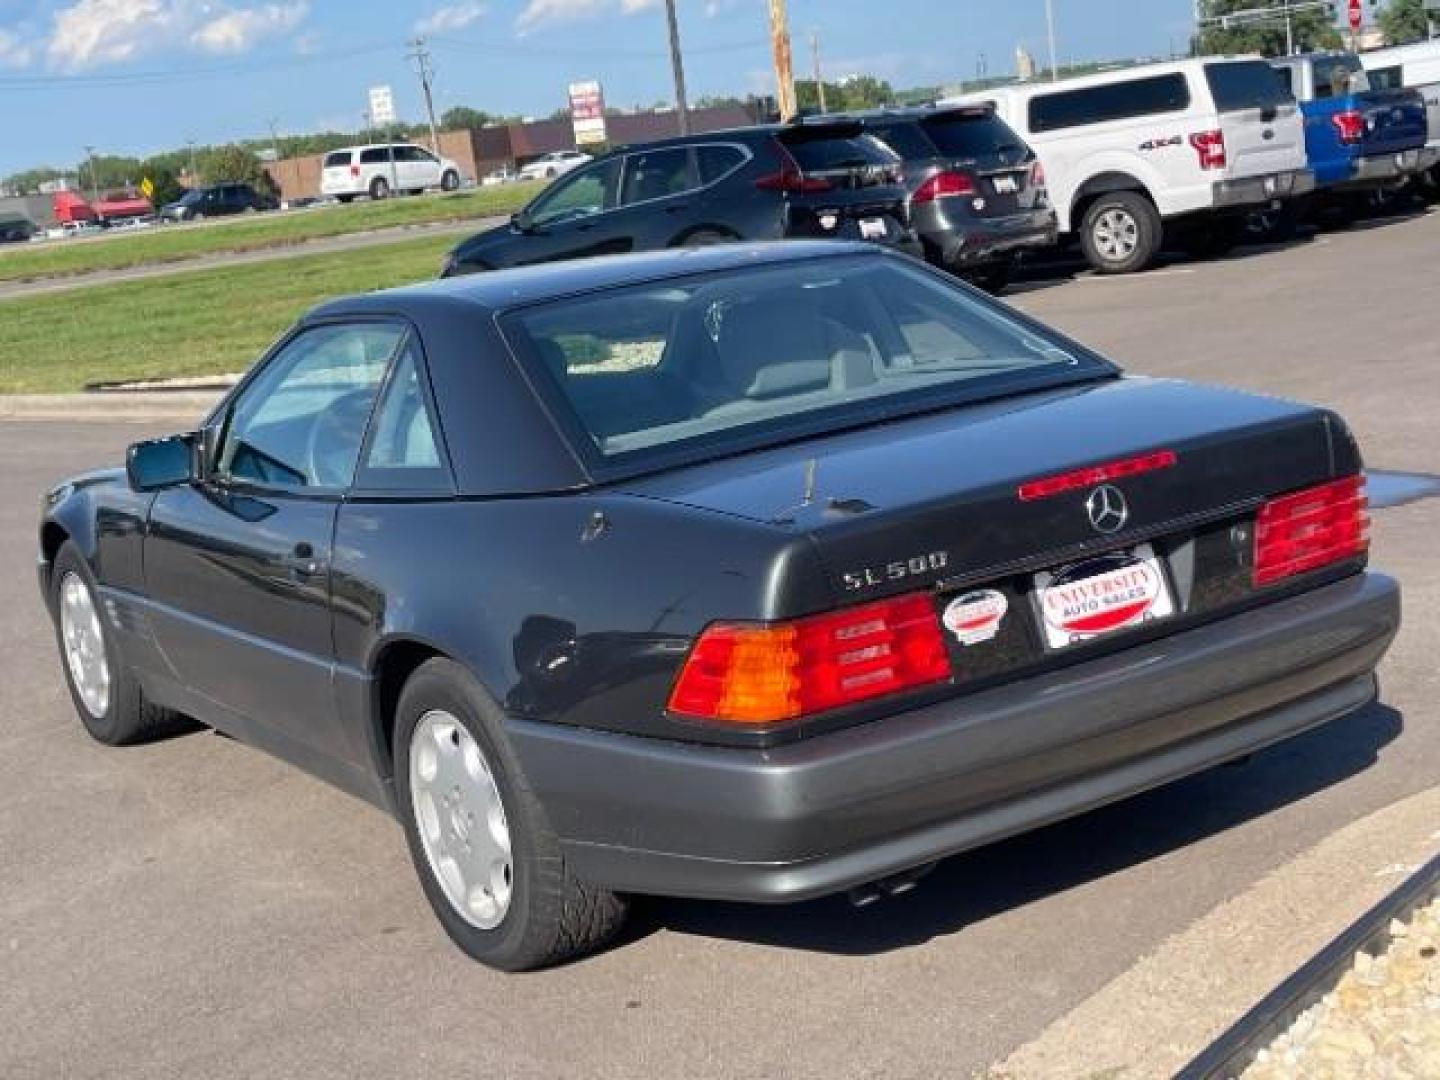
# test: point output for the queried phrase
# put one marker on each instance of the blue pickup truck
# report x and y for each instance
(1358, 141)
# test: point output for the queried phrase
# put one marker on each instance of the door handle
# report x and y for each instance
(302, 563)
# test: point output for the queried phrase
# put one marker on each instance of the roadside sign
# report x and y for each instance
(587, 111)
(382, 106)
(1357, 14)
(147, 187)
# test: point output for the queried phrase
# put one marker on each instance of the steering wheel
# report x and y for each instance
(334, 441)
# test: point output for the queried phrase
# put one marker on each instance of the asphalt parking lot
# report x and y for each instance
(194, 908)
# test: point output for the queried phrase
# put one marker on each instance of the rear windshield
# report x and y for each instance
(770, 353)
(819, 150)
(1246, 84)
(1336, 76)
(338, 159)
(905, 138)
(972, 136)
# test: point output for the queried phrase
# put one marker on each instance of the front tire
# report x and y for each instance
(487, 859)
(105, 692)
(450, 181)
(1121, 233)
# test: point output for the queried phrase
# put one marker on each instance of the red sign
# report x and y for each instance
(1357, 14)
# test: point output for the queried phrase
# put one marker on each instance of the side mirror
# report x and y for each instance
(522, 221)
(162, 463)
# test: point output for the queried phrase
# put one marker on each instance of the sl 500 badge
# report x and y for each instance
(976, 616)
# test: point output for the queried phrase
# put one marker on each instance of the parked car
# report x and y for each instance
(219, 200)
(549, 166)
(16, 230)
(803, 180)
(1187, 147)
(977, 192)
(382, 169)
(1358, 141)
(755, 573)
(1414, 67)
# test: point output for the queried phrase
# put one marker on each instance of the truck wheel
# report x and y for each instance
(1120, 233)
(489, 863)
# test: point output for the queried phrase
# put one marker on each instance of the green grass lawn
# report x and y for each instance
(206, 323)
(57, 258)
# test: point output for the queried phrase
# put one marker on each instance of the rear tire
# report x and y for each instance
(379, 188)
(487, 858)
(1120, 233)
(105, 692)
(450, 181)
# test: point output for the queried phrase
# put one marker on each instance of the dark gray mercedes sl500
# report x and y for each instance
(752, 572)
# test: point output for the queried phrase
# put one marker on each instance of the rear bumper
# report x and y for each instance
(1383, 170)
(956, 239)
(847, 808)
(1256, 190)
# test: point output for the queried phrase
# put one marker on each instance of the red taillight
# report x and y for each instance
(752, 673)
(1210, 145)
(1037, 174)
(1311, 529)
(1097, 474)
(943, 185)
(354, 170)
(790, 179)
(1351, 126)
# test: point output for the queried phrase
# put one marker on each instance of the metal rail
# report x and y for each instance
(1234, 1051)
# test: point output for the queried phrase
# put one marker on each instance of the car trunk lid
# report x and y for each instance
(839, 182)
(1260, 119)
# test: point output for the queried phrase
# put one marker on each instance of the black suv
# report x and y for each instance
(217, 201)
(977, 192)
(805, 180)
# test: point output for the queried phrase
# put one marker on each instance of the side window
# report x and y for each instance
(1285, 76)
(655, 174)
(716, 161)
(300, 423)
(376, 155)
(1112, 101)
(403, 453)
(581, 193)
(1390, 78)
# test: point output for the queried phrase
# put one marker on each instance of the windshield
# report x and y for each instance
(748, 356)
(1246, 84)
(194, 195)
(1336, 76)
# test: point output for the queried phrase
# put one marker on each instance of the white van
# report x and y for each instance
(381, 169)
(1411, 67)
(1131, 153)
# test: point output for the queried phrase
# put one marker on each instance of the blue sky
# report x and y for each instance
(136, 76)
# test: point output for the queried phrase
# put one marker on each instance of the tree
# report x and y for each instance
(1404, 20)
(233, 165)
(462, 116)
(1312, 30)
(857, 92)
(165, 175)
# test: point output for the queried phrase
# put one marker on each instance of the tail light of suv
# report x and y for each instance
(1210, 145)
(1310, 529)
(1351, 126)
(355, 170)
(790, 179)
(765, 673)
(944, 185)
(1037, 174)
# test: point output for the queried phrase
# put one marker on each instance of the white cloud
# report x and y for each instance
(90, 33)
(240, 30)
(543, 12)
(448, 19)
(14, 53)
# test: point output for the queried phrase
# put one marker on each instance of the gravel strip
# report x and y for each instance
(1382, 1020)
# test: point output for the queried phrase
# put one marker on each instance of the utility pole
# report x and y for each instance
(677, 67)
(94, 180)
(819, 82)
(784, 65)
(426, 70)
(273, 123)
(194, 180)
(1050, 33)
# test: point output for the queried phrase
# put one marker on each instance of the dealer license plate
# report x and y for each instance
(1102, 595)
(1008, 184)
(873, 228)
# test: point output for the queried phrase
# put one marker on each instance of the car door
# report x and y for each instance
(575, 217)
(426, 168)
(237, 565)
(658, 197)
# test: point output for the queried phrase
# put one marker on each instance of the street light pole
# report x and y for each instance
(819, 82)
(677, 67)
(1050, 34)
(94, 180)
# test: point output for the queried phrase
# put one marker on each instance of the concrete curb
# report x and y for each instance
(187, 405)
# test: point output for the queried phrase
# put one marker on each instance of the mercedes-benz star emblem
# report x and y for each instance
(1107, 509)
